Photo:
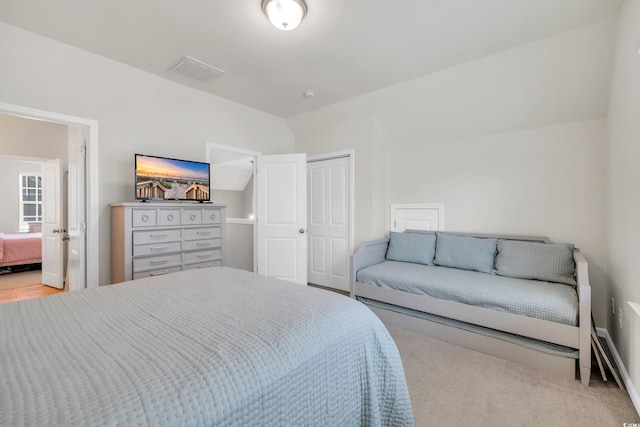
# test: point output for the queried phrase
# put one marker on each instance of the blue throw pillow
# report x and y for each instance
(549, 262)
(418, 248)
(465, 253)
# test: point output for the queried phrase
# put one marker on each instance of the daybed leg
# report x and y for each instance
(584, 358)
(585, 373)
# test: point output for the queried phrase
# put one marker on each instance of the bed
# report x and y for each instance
(20, 248)
(215, 346)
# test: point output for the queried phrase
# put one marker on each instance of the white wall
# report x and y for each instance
(33, 138)
(137, 112)
(623, 190)
(239, 248)
(510, 143)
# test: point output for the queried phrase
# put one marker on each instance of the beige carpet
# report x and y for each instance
(453, 386)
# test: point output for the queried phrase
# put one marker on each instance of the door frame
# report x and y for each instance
(92, 267)
(351, 155)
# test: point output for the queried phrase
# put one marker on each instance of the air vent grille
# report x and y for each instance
(196, 70)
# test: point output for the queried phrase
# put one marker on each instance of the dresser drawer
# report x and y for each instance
(191, 216)
(155, 236)
(202, 256)
(201, 244)
(156, 248)
(201, 233)
(211, 217)
(162, 261)
(169, 217)
(217, 263)
(144, 217)
(160, 272)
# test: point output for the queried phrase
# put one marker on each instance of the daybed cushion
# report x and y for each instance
(412, 247)
(541, 300)
(467, 253)
(550, 262)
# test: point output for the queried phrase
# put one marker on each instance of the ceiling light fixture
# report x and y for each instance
(285, 15)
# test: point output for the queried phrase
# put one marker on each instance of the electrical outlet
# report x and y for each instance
(613, 306)
(620, 317)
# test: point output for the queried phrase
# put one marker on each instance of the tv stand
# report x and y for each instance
(160, 238)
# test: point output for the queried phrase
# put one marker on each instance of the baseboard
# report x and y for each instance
(635, 398)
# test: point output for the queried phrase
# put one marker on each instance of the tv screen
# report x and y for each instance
(162, 178)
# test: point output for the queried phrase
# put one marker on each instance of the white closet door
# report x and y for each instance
(328, 190)
(282, 216)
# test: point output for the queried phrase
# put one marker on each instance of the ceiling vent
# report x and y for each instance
(196, 70)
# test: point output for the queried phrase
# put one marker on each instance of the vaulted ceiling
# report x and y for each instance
(342, 49)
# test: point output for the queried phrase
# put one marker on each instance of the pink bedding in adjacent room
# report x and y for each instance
(20, 248)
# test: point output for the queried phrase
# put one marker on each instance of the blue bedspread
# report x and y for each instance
(204, 347)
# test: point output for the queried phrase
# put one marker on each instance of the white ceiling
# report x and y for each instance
(342, 49)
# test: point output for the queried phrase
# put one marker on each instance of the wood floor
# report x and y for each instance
(25, 285)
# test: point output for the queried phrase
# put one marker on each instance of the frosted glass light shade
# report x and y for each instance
(284, 14)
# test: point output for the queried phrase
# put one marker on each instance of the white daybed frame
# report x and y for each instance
(577, 337)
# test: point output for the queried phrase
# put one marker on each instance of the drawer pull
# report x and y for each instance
(203, 233)
(170, 217)
(203, 245)
(213, 216)
(159, 273)
(145, 217)
(158, 248)
(204, 266)
(158, 261)
(193, 217)
(158, 235)
(204, 256)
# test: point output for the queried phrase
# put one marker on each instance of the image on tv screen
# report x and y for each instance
(171, 179)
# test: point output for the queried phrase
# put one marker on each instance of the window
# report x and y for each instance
(30, 200)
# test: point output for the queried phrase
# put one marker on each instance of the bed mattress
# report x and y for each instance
(537, 299)
(20, 247)
(212, 346)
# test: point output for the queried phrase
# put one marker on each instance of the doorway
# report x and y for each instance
(82, 200)
(233, 185)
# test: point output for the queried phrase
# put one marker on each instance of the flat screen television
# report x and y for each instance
(162, 178)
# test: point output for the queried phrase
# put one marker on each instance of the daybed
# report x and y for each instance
(20, 248)
(520, 298)
(211, 347)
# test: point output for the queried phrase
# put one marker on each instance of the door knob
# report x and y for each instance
(302, 230)
(59, 230)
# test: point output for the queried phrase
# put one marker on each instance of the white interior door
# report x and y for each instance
(77, 226)
(282, 216)
(328, 203)
(52, 231)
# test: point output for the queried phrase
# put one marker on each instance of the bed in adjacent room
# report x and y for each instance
(20, 248)
(214, 346)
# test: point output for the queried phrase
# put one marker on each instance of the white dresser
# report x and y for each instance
(150, 239)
